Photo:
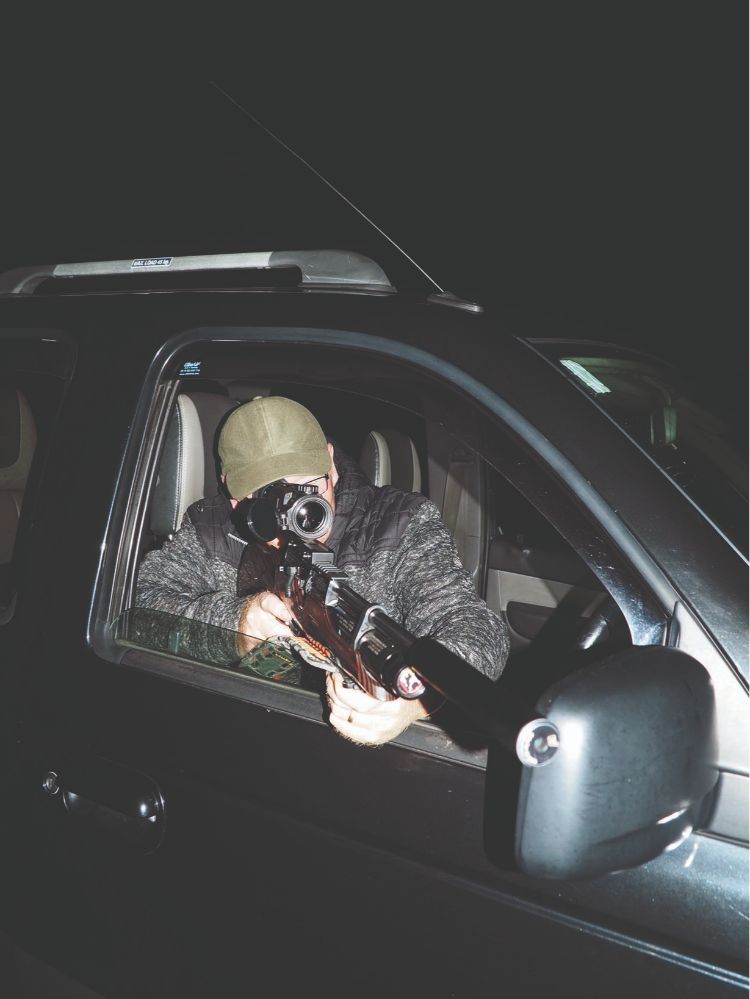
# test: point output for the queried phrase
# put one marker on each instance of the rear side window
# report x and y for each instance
(34, 369)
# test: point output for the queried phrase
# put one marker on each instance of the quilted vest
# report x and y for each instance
(368, 519)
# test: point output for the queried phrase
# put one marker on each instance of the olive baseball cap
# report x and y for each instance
(268, 439)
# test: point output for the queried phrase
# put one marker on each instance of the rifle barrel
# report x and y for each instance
(498, 713)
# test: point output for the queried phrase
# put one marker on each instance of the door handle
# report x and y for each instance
(110, 798)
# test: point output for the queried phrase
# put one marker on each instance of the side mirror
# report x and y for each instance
(619, 766)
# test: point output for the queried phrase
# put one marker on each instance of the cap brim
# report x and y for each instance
(256, 474)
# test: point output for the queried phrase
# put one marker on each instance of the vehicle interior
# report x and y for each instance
(417, 437)
(17, 445)
(18, 440)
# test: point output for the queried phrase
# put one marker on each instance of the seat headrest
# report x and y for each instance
(189, 468)
(17, 438)
(389, 457)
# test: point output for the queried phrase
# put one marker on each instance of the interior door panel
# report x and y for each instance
(530, 585)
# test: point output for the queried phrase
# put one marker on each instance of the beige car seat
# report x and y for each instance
(17, 445)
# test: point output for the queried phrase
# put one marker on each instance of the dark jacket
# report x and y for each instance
(393, 545)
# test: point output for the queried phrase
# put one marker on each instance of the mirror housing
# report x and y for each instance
(633, 766)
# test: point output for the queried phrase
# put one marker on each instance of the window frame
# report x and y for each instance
(547, 479)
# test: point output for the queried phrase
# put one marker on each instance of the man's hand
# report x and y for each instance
(264, 616)
(366, 720)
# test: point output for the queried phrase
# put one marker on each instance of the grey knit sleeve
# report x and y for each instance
(180, 578)
(435, 595)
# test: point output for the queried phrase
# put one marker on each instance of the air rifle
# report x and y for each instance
(361, 639)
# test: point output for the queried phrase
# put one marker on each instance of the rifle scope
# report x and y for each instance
(283, 506)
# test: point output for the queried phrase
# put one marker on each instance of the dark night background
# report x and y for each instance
(587, 163)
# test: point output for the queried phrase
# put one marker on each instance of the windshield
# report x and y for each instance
(700, 450)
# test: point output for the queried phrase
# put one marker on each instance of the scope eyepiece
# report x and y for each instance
(283, 506)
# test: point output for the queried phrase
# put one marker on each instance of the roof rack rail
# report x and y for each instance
(318, 267)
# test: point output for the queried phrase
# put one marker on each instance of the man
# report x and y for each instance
(393, 545)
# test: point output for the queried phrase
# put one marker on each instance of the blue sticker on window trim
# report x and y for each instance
(190, 368)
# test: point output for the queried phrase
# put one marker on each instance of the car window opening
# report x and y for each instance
(400, 433)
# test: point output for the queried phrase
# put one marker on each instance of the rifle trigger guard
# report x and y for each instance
(364, 624)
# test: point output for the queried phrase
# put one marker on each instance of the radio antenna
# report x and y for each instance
(244, 110)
